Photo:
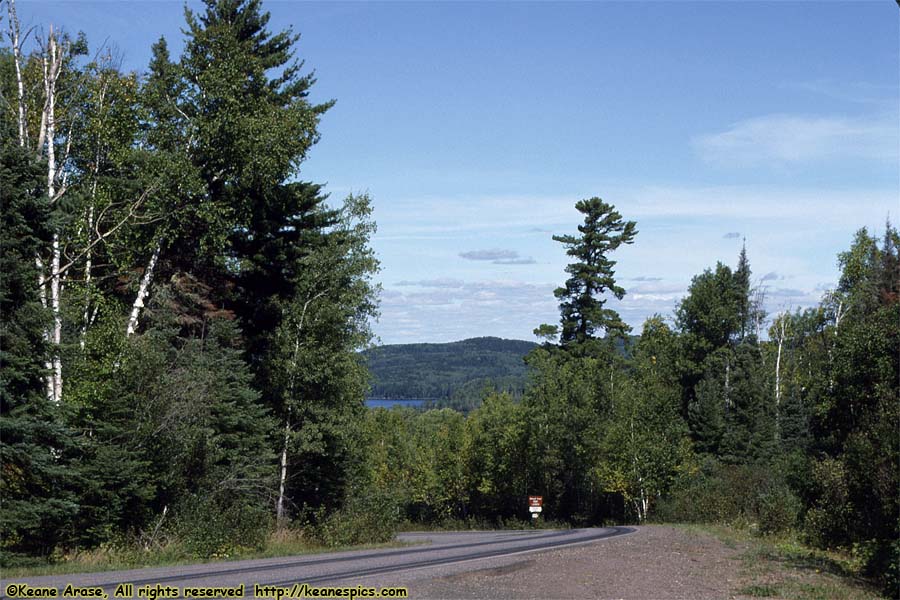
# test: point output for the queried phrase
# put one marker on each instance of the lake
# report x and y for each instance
(389, 402)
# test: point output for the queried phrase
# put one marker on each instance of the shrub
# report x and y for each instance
(367, 519)
(208, 527)
(827, 523)
(733, 494)
(777, 509)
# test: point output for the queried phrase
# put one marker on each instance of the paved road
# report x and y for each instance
(432, 554)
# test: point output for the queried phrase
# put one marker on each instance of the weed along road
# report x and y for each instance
(360, 573)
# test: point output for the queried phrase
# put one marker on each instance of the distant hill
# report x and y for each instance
(452, 374)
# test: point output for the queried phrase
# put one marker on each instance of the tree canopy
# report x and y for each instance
(582, 307)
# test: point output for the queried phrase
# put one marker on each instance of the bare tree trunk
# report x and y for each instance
(17, 61)
(279, 507)
(839, 314)
(782, 327)
(42, 294)
(728, 383)
(143, 291)
(86, 321)
(86, 316)
(52, 65)
(56, 336)
(640, 503)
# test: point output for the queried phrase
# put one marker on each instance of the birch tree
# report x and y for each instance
(315, 381)
(645, 443)
(779, 333)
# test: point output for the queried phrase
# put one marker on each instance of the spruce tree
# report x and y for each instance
(742, 293)
(36, 477)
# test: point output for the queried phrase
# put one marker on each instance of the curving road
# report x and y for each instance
(431, 555)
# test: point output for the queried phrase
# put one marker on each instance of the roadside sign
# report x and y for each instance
(535, 501)
(534, 509)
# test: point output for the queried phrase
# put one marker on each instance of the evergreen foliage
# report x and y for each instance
(201, 294)
(36, 480)
(583, 314)
(184, 324)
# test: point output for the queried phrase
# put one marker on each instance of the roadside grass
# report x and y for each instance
(482, 525)
(783, 567)
(169, 554)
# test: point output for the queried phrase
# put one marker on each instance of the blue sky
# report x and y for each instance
(476, 127)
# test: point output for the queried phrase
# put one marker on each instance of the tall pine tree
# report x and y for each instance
(582, 307)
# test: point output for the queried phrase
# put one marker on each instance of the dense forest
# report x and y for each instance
(452, 375)
(718, 413)
(181, 313)
(182, 316)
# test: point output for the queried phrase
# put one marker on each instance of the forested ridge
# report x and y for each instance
(183, 316)
(453, 374)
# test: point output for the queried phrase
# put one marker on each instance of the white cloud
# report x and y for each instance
(493, 254)
(781, 139)
(446, 310)
(498, 257)
(431, 295)
(489, 215)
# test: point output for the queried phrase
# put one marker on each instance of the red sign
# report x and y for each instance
(535, 501)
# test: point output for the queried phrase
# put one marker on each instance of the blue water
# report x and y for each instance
(388, 402)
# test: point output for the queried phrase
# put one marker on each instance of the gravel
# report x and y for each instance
(656, 563)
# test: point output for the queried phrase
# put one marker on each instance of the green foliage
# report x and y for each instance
(749, 434)
(778, 509)
(458, 370)
(369, 519)
(255, 309)
(210, 526)
(179, 422)
(497, 456)
(582, 310)
(747, 495)
(311, 373)
(568, 401)
(827, 521)
(36, 447)
(645, 443)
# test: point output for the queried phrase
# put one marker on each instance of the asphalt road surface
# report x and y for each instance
(431, 555)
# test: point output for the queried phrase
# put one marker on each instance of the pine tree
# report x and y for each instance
(583, 314)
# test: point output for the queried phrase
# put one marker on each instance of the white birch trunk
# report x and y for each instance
(86, 316)
(143, 291)
(838, 315)
(728, 384)
(42, 294)
(56, 336)
(51, 72)
(86, 321)
(279, 507)
(782, 326)
(17, 61)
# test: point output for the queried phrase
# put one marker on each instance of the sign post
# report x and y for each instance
(535, 506)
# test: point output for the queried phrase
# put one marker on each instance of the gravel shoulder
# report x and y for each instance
(656, 562)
